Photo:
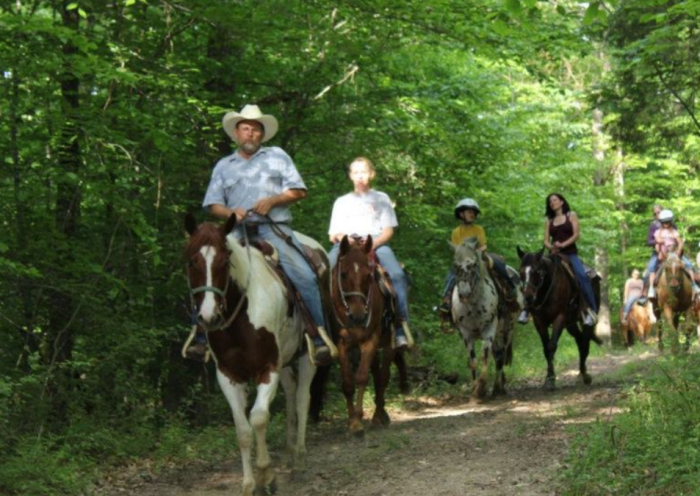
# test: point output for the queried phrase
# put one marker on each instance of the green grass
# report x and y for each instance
(653, 448)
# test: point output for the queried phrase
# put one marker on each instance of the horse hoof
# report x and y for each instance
(549, 384)
(587, 379)
(381, 418)
(357, 429)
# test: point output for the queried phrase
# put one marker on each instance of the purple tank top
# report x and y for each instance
(561, 233)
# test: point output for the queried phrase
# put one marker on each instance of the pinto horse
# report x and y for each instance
(553, 300)
(242, 305)
(360, 310)
(477, 313)
(674, 296)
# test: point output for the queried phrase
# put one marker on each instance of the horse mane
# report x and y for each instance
(206, 234)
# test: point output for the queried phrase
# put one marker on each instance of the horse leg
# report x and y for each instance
(236, 396)
(583, 342)
(368, 351)
(348, 384)
(469, 342)
(318, 392)
(400, 362)
(303, 397)
(550, 380)
(290, 387)
(499, 385)
(381, 381)
(259, 418)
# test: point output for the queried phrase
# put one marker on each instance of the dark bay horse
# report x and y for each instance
(674, 296)
(360, 310)
(242, 304)
(553, 300)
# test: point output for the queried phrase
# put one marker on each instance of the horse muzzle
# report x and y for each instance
(214, 323)
(358, 319)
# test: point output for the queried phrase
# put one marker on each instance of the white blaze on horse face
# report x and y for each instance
(357, 268)
(527, 275)
(208, 308)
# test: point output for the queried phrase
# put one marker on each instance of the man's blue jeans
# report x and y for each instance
(398, 277)
(294, 265)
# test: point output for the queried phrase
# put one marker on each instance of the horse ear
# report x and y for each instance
(190, 223)
(521, 253)
(368, 244)
(230, 223)
(344, 245)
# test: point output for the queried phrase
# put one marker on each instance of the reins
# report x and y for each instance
(222, 294)
(549, 289)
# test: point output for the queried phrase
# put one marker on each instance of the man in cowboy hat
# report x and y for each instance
(258, 184)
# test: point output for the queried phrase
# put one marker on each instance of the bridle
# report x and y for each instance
(345, 294)
(224, 302)
(538, 287)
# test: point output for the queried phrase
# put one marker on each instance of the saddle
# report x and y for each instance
(387, 288)
(505, 299)
(320, 269)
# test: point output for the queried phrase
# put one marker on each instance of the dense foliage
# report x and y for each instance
(110, 116)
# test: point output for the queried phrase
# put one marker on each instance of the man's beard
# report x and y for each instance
(249, 147)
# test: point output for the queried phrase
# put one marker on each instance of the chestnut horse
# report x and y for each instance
(638, 325)
(360, 310)
(242, 304)
(553, 300)
(674, 296)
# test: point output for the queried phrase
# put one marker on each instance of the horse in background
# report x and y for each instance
(553, 299)
(675, 297)
(478, 314)
(365, 325)
(639, 324)
(242, 304)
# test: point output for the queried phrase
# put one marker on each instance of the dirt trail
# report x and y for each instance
(509, 446)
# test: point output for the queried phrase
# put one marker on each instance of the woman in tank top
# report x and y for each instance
(634, 287)
(561, 231)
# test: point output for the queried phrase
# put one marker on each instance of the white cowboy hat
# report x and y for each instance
(250, 113)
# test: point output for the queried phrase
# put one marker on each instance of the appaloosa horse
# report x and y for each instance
(242, 304)
(478, 314)
(553, 299)
(675, 297)
(360, 310)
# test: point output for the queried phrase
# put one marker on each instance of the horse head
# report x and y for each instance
(674, 271)
(533, 272)
(468, 267)
(355, 276)
(207, 258)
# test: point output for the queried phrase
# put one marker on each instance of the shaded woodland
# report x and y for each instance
(110, 119)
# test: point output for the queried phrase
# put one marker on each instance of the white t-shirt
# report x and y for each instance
(362, 214)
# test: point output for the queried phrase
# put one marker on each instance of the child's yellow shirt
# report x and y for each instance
(465, 231)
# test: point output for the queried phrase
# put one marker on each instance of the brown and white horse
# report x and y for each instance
(675, 296)
(359, 306)
(639, 324)
(242, 304)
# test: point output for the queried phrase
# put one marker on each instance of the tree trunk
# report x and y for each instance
(603, 329)
(68, 198)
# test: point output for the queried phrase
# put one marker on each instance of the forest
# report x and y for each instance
(110, 119)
